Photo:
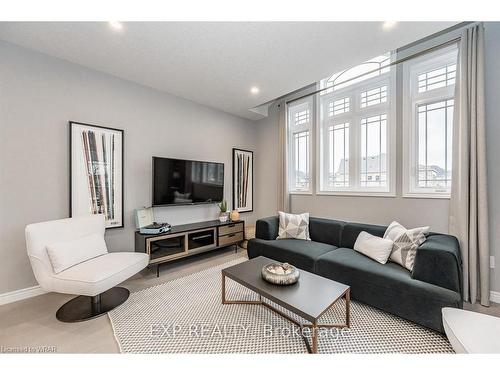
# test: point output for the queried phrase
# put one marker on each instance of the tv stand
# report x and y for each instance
(185, 240)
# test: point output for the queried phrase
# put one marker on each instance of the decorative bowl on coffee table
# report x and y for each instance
(280, 273)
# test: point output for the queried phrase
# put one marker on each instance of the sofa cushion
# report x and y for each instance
(267, 228)
(300, 253)
(351, 232)
(98, 274)
(438, 262)
(326, 230)
(389, 287)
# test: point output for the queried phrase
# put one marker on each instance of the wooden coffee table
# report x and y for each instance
(309, 298)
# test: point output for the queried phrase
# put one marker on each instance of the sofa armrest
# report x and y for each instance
(438, 262)
(267, 228)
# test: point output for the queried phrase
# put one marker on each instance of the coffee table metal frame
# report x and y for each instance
(314, 326)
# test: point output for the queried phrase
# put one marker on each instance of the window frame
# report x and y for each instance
(354, 117)
(412, 99)
(308, 103)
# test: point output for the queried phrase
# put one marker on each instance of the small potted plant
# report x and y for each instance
(223, 211)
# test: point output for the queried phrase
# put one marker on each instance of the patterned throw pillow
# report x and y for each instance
(293, 226)
(406, 243)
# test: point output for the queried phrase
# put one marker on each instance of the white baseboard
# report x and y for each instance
(494, 296)
(21, 294)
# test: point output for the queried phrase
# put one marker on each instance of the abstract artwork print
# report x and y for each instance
(97, 172)
(242, 180)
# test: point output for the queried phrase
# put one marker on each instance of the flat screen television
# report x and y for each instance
(186, 182)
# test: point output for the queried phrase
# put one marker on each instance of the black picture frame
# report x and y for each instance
(120, 153)
(247, 208)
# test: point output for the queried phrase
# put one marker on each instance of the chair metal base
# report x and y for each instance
(84, 308)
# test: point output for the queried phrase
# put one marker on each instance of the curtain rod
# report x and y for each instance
(402, 60)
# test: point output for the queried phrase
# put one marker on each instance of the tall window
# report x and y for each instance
(350, 129)
(300, 120)
(354, 129)
(429, 85)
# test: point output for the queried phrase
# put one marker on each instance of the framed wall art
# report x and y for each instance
(242, 180)
(96, 172)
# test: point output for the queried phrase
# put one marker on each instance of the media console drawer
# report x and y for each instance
(230, 228)
(230, 239)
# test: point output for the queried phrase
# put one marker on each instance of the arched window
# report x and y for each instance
(369, 69)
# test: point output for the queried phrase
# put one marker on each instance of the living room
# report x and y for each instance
(214, 187)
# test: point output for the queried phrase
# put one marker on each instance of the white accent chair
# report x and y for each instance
(93, 280)
(471, 332)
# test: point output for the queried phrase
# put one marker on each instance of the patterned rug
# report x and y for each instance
(186, 316)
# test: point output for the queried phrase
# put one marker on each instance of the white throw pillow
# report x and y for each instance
(374, 247)
(406, 243)
(293, 226)
(66, 254)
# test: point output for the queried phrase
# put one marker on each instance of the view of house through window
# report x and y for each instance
(428, 123)
(354, 128)
(434, 144)
(299, 145)
(350, 126)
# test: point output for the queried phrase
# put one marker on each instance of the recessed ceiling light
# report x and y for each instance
(116, 25)
(387, 25)
(254, 90)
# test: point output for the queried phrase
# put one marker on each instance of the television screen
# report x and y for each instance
(179, 182)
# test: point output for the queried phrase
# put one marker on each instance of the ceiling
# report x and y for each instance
(216, 63)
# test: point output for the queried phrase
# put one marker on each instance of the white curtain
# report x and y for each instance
(469, 200)
(283, 195)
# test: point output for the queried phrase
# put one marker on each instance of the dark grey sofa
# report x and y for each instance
(417, 296)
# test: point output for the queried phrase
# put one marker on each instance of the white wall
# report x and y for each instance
(266, 166)
(40, 94)
(377, 210)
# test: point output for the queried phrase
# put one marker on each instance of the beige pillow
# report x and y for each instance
(374, 247)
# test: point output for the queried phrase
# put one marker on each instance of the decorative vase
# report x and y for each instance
(223, 216)
(235, 215)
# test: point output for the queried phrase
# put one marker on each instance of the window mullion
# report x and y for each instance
(355, 153)
(328, 156)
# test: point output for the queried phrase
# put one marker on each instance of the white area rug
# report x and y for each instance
(186, 316)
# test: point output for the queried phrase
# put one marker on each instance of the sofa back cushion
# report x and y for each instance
(267, 228)
(351, 232)
(438, 261)
(326, 230)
